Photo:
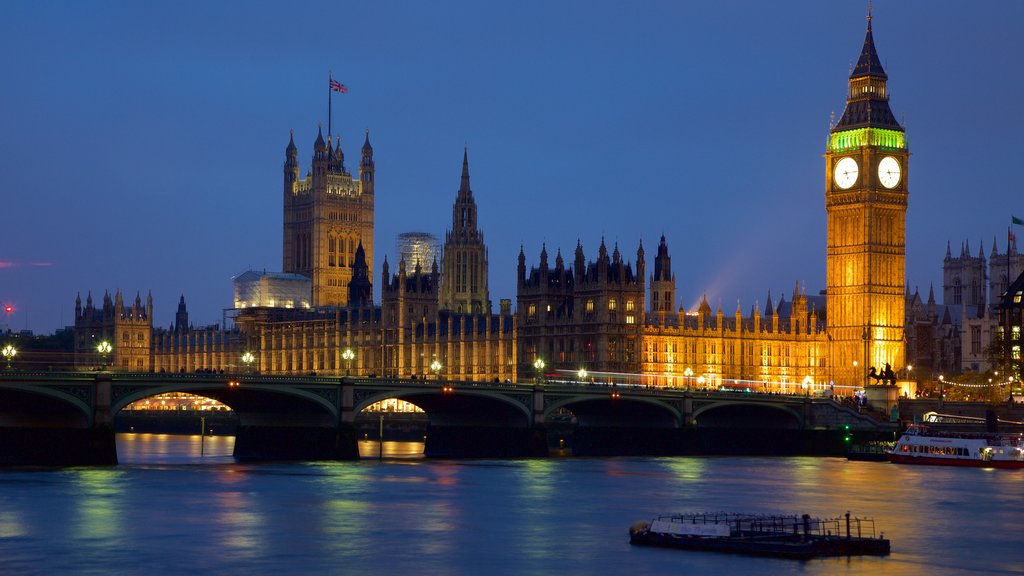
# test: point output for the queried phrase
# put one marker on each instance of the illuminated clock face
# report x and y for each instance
(889, 172)
(846, 173)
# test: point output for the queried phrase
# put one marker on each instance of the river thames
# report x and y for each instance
(181, 505)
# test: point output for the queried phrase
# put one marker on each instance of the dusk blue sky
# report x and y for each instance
(143, 142)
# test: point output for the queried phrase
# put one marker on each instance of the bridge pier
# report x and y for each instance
(632, 441)
(485, 442)
(262, 442)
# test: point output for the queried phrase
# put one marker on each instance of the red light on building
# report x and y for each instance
(8, 308)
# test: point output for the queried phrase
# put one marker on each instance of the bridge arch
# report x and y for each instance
(75, 398)
(621, 411)
(232, 397)
(460, 407)
(748, 414)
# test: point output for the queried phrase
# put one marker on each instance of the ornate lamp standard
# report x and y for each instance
(104, 348)
(9, 353)
(436, 367)
(942, 381)
(348, 355)
(700, 381)
(688, 374)
(248, 358)
(808, 381)
(582, 375)
(538, 365)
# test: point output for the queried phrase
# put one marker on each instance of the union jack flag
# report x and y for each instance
(338, 86)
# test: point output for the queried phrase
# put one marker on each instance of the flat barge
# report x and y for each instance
(783, 536)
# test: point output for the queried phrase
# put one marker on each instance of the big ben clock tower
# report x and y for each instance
(866, 202)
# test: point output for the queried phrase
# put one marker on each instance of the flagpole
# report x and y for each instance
(329, 119)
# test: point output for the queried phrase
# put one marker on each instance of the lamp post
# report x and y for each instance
(688, 374)
(9, 353)
(104, 348)
(248, 358)
(538, 365)
(582, 375)
(700, 381)
(808, 381)
(348, 355)
(436, 367)
(942, 380)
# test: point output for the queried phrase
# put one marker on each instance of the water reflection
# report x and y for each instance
(191, 514)
(372, 449)
(101, 493)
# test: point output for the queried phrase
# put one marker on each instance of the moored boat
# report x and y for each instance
(921, 445)
(762, 534)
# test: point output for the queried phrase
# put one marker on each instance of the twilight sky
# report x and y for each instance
(143, 142)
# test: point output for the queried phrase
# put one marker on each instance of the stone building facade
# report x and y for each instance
(327, 216)
(127, 329)
(866, 177)
(594, 315)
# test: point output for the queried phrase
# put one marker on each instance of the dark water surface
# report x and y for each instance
(168, 510)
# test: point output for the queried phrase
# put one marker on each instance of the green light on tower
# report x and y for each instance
(861, 137)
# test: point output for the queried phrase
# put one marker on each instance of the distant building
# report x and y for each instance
(965, 322)
(271, 290)
(464, 264)
(1010, 312)
(128, 330)
(417, 249)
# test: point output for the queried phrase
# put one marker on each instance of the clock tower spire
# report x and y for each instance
(866, 202)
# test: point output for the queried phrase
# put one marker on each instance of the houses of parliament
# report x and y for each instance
(601, 312)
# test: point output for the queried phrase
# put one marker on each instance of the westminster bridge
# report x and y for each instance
(67, 417)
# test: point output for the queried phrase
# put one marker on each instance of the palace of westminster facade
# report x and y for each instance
(605, 315)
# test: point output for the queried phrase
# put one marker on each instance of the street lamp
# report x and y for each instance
(942, 380)
(436, 367)
(688, 374)
(104, 348)
(348, 355)
(700, 381)
(248, 358)
(807, 383)
(538, 365)
(582, 375)
(9, 353)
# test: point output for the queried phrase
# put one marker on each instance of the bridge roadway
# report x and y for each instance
(67, 417)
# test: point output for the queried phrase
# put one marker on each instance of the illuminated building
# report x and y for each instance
(272, 290)
(866, 176)
(327, 216)
(594, 315)
(1011, 325)
(464, 264)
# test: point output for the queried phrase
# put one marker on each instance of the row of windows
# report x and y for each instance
(943, 450)
(613, 305)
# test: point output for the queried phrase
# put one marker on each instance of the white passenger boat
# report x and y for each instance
(920, 445)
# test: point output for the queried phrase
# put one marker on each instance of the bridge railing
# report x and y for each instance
(560, 385)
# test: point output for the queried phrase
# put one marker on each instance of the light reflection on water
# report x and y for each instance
(187, 513)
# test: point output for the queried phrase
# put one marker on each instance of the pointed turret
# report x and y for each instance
(366, 169)
(291, 163)
(867, 104)
(360, 290)
(464, 189)
(181, 317)
(868, 64)
(521, 270)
